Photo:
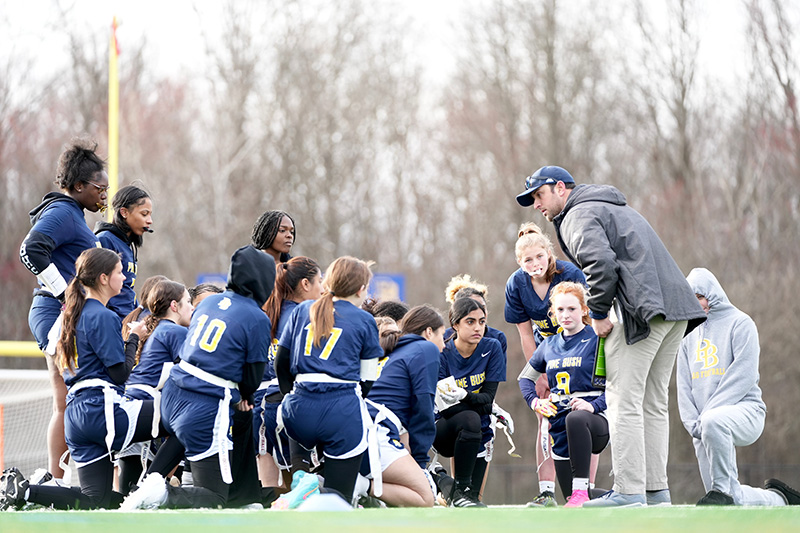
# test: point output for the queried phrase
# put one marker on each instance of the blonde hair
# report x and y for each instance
(464, 286)
(538, 240)
(575, 289)
(529, 227)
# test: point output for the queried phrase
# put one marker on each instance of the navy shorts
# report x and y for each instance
(332, 418)
(270, 424)
(258, 409)
(192, 417)
(85, 424)
(43, 314)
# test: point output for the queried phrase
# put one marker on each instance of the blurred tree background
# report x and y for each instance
(322, 109)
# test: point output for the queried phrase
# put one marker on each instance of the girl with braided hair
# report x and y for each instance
(274, 234)
(159, 349)
(58, 235)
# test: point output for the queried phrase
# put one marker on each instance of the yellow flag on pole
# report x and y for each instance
(113, 117)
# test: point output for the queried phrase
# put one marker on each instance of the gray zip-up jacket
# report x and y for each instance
(622, 257)
(717, 362)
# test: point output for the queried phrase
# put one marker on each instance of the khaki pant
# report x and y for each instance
(637, 395)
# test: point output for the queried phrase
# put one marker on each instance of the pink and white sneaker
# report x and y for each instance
(578, 498)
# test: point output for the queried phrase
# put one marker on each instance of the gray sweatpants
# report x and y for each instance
(722, 429)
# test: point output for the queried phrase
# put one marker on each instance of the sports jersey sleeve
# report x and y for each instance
(287, 334)
(174, 342)
(599, 403)
(371, 346)
(570, 272)
(514, 311)
(444, 368)
(104, 335)
(35, 251)
(53, 228)
(259, 340)
(496, 370)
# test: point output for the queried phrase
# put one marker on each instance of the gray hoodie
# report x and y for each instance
(718, 361)
(622, 257)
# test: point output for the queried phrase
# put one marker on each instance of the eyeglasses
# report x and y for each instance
(100, 189)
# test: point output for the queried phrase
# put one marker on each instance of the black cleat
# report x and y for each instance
(465, 498)
(715, 497)
(12, 489)
(791, 496)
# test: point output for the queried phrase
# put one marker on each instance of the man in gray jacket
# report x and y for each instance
(719, 397)
(628, 267)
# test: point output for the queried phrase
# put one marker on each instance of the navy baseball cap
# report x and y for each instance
(543, 176)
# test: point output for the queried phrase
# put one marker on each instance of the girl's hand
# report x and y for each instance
(545, 408)
(138, 328)
(579, 404)
(243, 406)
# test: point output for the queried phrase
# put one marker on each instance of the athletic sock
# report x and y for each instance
(547, 486)
(580, 483)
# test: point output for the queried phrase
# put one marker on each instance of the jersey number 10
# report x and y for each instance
(209, 334)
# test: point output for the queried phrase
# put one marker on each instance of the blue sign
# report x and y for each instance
(217, 278)
(386, 286)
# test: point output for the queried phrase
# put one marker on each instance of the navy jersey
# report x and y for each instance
(58, 236)
(125, 301)
(491, 333)
(162, 346)
(523, 304)
(406, 385)
(98, 344)
(569, 365)
(487, 363)
(227, 330)
(287, 306)
(354, 337)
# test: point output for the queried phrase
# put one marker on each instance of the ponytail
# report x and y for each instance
(344, 278)
(66, 350)
(288, 277)
(159, 299)
(91, 264)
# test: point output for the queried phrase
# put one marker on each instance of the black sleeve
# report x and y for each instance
(119, 373)
(35, 251)
(283, 370)
(482, 401)
(251, 379)
(366, 386)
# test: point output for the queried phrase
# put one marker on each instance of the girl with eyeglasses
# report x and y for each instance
(58, 235)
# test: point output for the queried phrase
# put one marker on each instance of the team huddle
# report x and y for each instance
(290, 388)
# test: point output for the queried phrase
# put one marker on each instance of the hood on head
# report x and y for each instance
(704, 283)
(252, 274)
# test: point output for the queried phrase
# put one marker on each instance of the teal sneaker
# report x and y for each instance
(304, 486)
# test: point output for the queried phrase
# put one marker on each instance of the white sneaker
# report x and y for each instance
(151, 494)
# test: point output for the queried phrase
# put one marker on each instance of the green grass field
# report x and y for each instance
(495, 519)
